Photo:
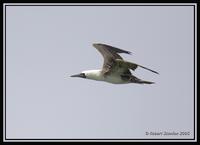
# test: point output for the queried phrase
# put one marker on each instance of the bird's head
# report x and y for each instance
(90, 74)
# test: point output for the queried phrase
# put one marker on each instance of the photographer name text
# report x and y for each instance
(167, 133)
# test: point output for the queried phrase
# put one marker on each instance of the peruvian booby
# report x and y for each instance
(115, 70)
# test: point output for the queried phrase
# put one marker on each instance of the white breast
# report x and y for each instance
(115, 79)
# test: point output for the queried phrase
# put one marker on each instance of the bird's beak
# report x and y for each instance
(81, 75)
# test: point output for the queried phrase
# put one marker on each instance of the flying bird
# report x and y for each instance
(115, 70)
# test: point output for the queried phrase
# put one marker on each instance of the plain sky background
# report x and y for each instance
(47, 44)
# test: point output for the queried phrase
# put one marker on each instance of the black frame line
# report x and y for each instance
(98, 5)
(5, 73)
(111, 139)
(194, 69)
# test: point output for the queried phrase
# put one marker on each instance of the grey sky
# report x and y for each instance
(45, 45)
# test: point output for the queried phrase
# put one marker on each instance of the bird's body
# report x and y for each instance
(115, 70)
(97, 75)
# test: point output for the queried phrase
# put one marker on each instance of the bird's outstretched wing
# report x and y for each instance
(132, 66)
(114, 62)
(109, 54)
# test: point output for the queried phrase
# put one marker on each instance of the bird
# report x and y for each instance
(115, 69)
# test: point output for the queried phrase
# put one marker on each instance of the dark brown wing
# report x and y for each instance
(109, 54)
(132, 66)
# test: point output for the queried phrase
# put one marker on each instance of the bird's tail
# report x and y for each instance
(145, 82)
(139, 81)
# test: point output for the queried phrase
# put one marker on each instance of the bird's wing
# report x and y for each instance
(109, 54)
(132, 66)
